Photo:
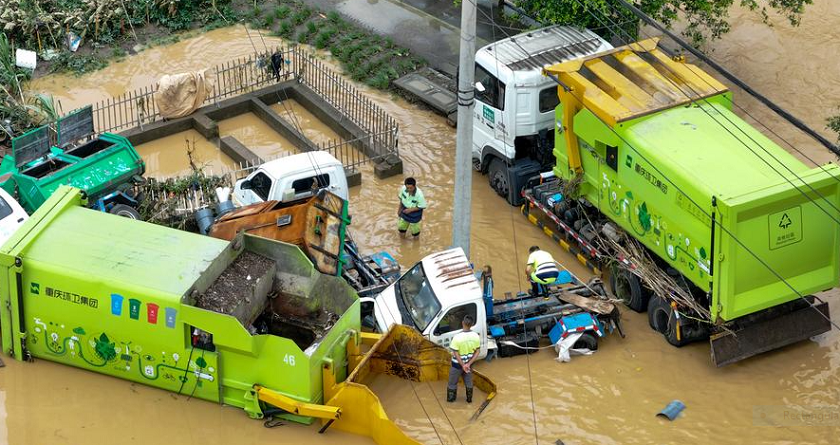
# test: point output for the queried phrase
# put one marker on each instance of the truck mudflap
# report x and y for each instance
(352, 407)
(803, 321)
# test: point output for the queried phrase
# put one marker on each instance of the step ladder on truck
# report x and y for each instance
(249, 322)
(635, 148)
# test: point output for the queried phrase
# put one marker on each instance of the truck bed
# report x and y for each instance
(242, 289)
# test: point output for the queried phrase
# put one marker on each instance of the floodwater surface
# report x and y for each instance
(609, 398)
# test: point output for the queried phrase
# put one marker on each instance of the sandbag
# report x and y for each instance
(179, 95)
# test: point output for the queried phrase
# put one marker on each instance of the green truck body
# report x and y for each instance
(98, 167)
(785, 221)
(120, 297)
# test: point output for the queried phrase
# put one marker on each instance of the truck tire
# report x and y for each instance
(659, 312)
(587, 340)
(497, 173)
(625, 285)
(126, 211)
(662, 319)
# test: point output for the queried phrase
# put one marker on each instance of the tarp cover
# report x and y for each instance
(178, 95)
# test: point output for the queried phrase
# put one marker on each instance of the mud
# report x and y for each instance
(167, 157)
(257, 136)
(609, 398)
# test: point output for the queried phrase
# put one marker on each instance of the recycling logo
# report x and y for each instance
(35, 288)
(785, 222)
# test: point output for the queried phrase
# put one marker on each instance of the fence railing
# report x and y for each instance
(138, 108)
(342, 95)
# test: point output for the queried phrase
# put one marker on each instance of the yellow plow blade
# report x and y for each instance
(404, 353)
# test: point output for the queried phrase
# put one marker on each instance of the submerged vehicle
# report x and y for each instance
(647, 151)
(319, 227)
(249, 323)
(105, 167)
(439, 291)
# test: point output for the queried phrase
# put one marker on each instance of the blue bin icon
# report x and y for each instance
(170, 314)
(116, 304)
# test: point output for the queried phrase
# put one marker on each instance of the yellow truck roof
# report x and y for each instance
(634, 80)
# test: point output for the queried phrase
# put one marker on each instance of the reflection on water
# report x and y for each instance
(609, 398)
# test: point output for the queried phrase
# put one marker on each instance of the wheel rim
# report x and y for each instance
(622, 288)
(500, 183)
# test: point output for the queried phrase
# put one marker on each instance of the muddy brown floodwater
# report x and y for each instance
(608, 398)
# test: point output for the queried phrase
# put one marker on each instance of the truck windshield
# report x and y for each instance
(416, 293)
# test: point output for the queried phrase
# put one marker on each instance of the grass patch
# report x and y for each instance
(281, 12)
(76, 63)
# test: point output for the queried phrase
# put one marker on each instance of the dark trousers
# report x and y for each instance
(455, 373)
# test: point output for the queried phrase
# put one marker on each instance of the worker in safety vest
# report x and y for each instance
(410, 211)
(541, 270)
(464, 346)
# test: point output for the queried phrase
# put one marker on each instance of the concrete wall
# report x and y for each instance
(205, 121)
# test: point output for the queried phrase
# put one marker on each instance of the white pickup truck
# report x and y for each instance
(291, 178)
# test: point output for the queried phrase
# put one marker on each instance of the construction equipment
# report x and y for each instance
(249, 323)
(651, 159)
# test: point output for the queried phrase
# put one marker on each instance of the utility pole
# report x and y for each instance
(461, 214)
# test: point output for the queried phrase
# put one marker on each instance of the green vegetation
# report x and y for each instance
(704, 19)
(834, 125)
(44, 24)
(19, 110)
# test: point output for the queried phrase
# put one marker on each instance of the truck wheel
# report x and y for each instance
(586, 341)
(659, 311)
(626, 286)
(498, 175)
(126, 211)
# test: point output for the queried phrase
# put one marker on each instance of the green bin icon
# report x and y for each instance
(134, 309)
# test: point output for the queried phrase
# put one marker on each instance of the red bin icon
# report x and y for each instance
(152, 312)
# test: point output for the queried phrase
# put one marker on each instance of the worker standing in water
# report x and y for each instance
(410, 212)
(541, 269)
(464, 347)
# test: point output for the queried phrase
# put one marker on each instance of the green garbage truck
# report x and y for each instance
(106, 167)
(249, 322)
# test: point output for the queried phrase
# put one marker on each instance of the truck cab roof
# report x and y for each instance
(298, 163)
(524, 55)
(451, 276)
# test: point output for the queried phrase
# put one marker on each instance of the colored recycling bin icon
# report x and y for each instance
(116, 304)
(134, 309)
(170, 316)
(152, 312)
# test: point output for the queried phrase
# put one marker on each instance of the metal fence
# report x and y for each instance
(342, 95)
(138, 108)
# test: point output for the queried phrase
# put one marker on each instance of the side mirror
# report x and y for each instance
(246, 185)
(480, 87)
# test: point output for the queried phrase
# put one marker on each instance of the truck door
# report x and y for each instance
(450, 324)
(490, 106)
(256, 188)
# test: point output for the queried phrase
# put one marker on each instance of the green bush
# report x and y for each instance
(282, 11)
(285, 29)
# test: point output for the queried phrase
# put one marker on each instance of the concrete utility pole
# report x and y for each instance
(461, 214)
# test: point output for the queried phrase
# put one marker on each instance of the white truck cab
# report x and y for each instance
(433, 297)
(292, 177)
(12, 216)
(513, 131)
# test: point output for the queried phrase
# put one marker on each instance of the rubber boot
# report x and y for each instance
(451, 394)
(469, 395)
